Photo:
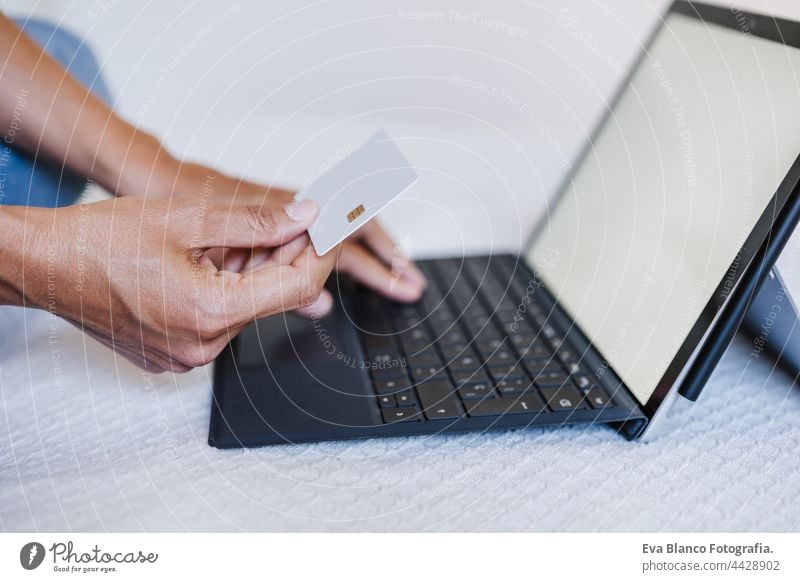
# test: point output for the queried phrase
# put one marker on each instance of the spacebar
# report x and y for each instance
(528, 404)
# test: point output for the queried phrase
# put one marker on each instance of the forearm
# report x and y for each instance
(43, 109)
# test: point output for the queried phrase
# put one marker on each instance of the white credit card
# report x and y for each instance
(356, 189)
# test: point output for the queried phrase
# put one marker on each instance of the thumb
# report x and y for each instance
(267, 225)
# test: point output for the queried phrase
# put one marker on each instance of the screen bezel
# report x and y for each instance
(747, 23)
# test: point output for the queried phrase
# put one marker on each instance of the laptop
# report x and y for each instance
(620, 305)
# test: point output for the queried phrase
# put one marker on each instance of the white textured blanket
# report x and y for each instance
(88, 442)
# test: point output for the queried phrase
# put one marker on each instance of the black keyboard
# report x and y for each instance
(478, 344)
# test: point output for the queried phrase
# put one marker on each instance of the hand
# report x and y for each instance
(370, 256)
(133, 273)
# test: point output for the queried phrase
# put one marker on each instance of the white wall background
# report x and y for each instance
(270, 89)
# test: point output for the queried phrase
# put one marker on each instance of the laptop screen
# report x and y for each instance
(669, 190)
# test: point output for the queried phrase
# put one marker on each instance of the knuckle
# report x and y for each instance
(308, 294)
(204, 313)
(184, 211)
(208, 321)
(261, 218)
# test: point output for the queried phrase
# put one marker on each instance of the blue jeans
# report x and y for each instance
(25, 180)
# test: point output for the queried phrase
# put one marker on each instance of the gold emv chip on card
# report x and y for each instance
(355, 213)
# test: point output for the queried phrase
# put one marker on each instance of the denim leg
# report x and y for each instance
(44, 183)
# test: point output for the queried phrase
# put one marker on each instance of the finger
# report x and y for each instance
(256, 258)
(366, 268)
(276, 288)
(377, 239)
(253, 226)
(320, 308)
(288, 253)
(251, 193)
(281, 195)
(217, 256)
(284, 255)
(234, 260)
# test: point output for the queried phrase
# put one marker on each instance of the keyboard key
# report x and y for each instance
(465, 362)
(584, 381)
(475, 391)
(441, 313)
(390, 385)
(505, 311)
(506, 371)
(455, 350)
(378, 343)
(502, 311)
(487, 345)
(406, 324)
(415, 347)
(406, 398)
(438, 401)
(438, 386)
(598, 398)
(383, 357)
(500, 356)
(389, 372)
(453, 336)
(514, 386)
(431, 302)
(551, 378)
(527, 404)
(387, 401)
(520, 327)
(403, 310)
(532, 351)
(426, 358)
(550, 333)
(564, 398)
(443, 411)
(468, 376)
(520, 340)
(400, 414)
(372, 325)
(424, 373)
(443, 328)
(477, 325)
(544, 367)
(567, 356)
(416, 334)
(537, 315)
(474, 309)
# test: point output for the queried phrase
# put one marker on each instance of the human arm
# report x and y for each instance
(45, 110)
(133, 273)
(62, 120)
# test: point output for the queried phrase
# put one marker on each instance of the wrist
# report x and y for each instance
(191, 180)
(142, 168)
(23, 277)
